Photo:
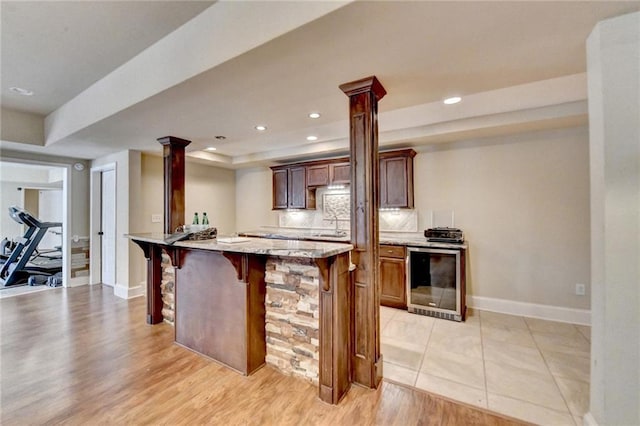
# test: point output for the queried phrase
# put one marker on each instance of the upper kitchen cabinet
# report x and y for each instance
(328, 172)
(290, 189)
(318, 175)
(396, 179)
(339, 173)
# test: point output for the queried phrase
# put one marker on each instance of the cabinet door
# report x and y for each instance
(393, 291)
(395, 188)
(280, 189)
(297, 188)
(339, 173)
(318, 175)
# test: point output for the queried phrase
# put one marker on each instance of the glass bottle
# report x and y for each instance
(195, 219)
(205, 219)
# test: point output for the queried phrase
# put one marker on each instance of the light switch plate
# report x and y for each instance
(580, 289)
(156, 218)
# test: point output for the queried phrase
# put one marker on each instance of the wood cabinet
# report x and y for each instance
(294, 185)
(290, 190)
(393, 290)
(396, 179)
(339, 173)
(328, 172)
(318, 175)
(280, 188)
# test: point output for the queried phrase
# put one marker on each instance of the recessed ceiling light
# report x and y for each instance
(312, 138)
(21, 91)
(452, 100)
(210, 148)
(314, 115)
(261, 128)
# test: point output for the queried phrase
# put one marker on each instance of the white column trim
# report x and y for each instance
(125, 292)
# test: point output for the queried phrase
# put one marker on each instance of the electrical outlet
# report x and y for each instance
(156, 218)
(580, 289)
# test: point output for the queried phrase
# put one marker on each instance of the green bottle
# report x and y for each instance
(195, 219)
(205, 219)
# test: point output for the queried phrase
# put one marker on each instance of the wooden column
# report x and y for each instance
(363, 117)
(174, 162)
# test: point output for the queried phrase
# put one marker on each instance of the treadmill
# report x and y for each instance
(25, 260)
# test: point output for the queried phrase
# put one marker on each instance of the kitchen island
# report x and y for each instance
(221, 307)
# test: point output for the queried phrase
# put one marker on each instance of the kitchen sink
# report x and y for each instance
(329, 234)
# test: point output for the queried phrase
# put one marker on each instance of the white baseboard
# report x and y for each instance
(78, 281)
(533, 310)
(588, 420)
(128, 292)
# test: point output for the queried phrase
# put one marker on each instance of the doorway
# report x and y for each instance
(42, 189)
(103, 225)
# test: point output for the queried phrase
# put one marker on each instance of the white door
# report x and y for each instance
(108, 228)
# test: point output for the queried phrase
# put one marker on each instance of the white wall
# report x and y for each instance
(14, 177)
(613, 64)
(253, 199)
(207, 189)
(78, 186)
(523, 203)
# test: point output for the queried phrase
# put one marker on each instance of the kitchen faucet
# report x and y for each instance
(335, 219)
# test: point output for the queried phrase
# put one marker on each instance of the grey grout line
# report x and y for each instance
(486, 389)
(544, 359)
(426, 347)
(484, 364)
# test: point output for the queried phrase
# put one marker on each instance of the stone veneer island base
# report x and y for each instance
(287, 303)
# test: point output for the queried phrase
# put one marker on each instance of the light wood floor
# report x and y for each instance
(83, 356)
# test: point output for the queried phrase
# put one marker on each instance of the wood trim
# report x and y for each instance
(174, 165)
(335, 328)
(220, 307)
(153, 254)
(363, 118)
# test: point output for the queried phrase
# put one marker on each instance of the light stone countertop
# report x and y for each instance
(410, 239)
(263, 246)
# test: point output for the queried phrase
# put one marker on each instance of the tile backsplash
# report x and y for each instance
(336, 202)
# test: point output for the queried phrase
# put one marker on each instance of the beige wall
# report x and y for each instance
(523, 203)
(253, 199)
(522, 200)
(207, 189)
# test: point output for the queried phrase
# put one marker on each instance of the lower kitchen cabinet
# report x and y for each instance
(393, 289)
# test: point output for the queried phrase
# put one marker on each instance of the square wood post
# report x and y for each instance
(363, 118)
(174, 163)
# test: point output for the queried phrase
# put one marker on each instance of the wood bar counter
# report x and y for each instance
(220, 301)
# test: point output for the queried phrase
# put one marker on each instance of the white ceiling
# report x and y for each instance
(518, 65)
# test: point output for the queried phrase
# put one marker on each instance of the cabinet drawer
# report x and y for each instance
(392, 251)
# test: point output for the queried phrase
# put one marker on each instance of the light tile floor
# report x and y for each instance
(527, 368)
